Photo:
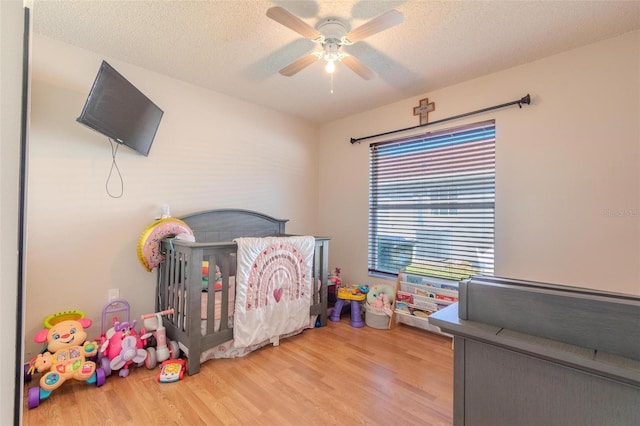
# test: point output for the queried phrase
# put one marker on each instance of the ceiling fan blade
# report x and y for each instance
(284, 17)
(298, 65)
(358, 67)
(380, 23)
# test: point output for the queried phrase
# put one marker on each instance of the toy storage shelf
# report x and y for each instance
(420, 296)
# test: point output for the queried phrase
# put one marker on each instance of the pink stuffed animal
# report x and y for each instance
(335, 278)
(382, 302)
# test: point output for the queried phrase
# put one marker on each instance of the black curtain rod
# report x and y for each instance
(519, 102)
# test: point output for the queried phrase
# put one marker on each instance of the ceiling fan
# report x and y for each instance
(332, 34)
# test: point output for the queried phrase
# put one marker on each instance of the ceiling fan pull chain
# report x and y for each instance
(331, 82)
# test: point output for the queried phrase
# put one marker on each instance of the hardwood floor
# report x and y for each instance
(334, 375)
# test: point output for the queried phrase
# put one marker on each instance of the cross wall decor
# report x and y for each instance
(423, 110)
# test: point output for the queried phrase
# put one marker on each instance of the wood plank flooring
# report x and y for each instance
(334, 375)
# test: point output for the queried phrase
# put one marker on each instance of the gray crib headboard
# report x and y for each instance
(226, 224)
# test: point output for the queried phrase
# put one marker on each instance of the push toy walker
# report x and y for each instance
(66, 357)
(50, 321)
(163, 350)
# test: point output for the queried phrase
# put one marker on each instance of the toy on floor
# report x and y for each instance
(164, 350)
(122, 348)
(379, 306)
(65, 359)
(355, 294)
(121, 345)
(50, 321)
(171, 370)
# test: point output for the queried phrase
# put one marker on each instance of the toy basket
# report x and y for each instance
(376, 319)
(375, 316)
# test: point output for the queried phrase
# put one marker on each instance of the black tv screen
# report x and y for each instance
(118, 110)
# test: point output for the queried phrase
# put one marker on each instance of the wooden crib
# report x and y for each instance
(201, 322)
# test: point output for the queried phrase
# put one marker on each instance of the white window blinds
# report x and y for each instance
(432, 203)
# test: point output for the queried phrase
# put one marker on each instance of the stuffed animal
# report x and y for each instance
(379, 299)
(382, 302)
(335, 278)
(67, 350)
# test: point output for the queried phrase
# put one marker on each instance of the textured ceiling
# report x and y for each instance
(232, 47)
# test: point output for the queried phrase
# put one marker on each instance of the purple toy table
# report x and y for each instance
(356, 316)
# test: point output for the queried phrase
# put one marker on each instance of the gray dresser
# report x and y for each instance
(528, 353)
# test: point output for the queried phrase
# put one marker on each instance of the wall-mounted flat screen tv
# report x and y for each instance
(118, 110)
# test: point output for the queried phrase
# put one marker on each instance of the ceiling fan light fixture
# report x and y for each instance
(331, 34)
(330, 67)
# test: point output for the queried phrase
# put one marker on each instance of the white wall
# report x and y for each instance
(11, 34)
(211, 151)
(567, 167)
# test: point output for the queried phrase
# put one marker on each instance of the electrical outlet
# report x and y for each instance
(114, 293)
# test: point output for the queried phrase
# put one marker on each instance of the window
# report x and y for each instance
(432, 203)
